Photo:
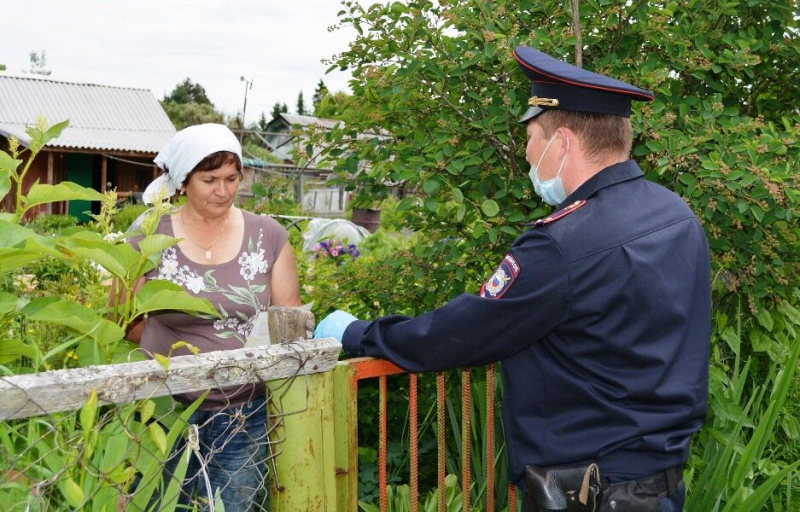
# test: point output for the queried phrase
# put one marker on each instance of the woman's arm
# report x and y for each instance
(283, 282)
(135, 329)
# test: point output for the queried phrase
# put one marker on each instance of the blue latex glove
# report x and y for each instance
(334, 325)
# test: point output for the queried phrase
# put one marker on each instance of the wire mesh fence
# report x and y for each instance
(154, 446)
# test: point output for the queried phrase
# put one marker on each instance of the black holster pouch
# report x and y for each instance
(573, 488)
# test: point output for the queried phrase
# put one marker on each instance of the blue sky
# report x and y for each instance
(155, 44)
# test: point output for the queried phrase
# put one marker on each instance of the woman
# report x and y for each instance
(242, 263)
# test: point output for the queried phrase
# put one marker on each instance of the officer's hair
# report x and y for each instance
(603, 135)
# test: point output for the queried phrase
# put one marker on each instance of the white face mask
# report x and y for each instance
(551, 191)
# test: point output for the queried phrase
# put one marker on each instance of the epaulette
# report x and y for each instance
(559, 214)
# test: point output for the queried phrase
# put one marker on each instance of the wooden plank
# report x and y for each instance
(345, 406)
(49, 207)
(103, 173)
(63, 390)
(304, 476)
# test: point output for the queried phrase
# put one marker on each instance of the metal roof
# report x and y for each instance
(100, 117)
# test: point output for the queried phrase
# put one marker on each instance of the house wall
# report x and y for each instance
(85, 168)
(37, 171)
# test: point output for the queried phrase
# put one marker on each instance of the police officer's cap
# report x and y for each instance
(558, 85)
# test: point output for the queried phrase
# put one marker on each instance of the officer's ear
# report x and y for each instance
(566, 139)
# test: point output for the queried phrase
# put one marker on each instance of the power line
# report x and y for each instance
(129, 161)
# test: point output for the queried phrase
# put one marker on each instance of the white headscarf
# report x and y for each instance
(184, 151)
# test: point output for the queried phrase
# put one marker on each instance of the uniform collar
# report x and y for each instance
(617, 173)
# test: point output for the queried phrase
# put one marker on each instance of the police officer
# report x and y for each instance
(599, 313)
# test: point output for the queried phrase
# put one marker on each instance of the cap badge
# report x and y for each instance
(543, 102)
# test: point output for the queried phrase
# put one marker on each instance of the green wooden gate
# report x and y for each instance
(79, 170)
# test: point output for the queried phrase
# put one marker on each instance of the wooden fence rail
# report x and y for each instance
(63, 390)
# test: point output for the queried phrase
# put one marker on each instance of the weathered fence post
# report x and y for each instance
(345, 399)
(303, 437)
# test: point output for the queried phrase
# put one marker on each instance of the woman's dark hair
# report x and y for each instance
(214, 161)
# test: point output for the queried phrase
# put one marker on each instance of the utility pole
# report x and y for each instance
(248, 84)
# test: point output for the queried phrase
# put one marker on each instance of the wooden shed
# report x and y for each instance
(113, 135)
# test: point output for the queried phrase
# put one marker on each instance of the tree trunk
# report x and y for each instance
(576, 29)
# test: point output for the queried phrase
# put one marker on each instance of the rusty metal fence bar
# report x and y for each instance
(359, 369)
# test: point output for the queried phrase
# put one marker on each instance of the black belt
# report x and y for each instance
(659, 483)
(571, 488)
(637, 495)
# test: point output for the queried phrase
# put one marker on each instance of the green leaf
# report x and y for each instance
(759, 497)
(758, 213)
(158, 436)
(688, 179)
(458, 196)
(13, 349)
(732, 339)
(432, 204)
(153, 466)
(259, 190)
(8, 303)
(8, 165)
(490, 208)
(76, 316)
(54, 131)
(64, 191)
(156, 243)
(162, 360)
(20, 246)
(765, 319)
(162, 295)
(5, 174)
(431, 186)
(119, 259)
(791, 426)
(71, 491)
(148, 407)
(88, 413)
(766, 425)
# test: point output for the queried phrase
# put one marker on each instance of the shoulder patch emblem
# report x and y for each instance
(560, 213)
(502, 278)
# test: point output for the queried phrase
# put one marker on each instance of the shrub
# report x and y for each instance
(127, 214)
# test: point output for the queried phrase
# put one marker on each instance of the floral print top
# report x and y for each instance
(239, 289)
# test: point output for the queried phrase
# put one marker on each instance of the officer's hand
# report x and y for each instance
(334, 325)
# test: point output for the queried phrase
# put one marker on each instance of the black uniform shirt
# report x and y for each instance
(601, 319)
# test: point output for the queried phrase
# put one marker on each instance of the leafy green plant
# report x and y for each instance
(87, 459)
(735, 466)
(52, 224)
(124, 218)
(398, 499)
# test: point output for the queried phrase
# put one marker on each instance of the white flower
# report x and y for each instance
(195, 284)
(258, 262)
(247, 273)
(169, 267)
(113, 237)
(252, 263)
